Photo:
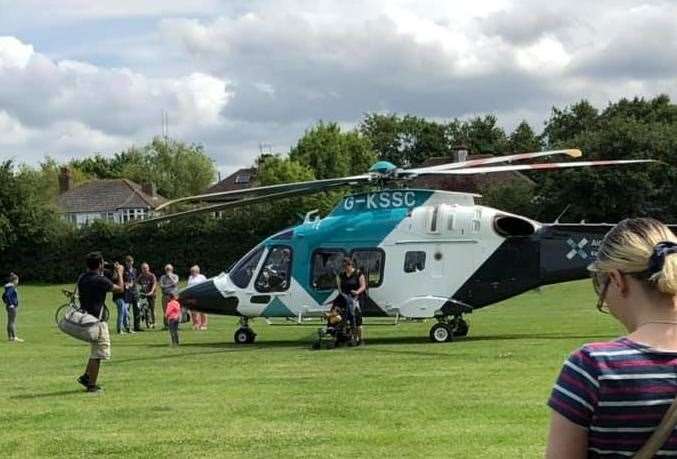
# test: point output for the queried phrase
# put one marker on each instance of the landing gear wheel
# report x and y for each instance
(244, 336)
(440, 333)
(462, 328)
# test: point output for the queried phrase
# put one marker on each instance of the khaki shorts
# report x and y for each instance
(101, 347)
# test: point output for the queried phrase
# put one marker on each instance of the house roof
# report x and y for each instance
(106, 196)
(466, 183)
(239, 180)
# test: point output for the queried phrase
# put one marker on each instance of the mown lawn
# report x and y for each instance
(399, 396)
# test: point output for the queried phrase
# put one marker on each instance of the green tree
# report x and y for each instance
(564, 124)
(624, 130)
(523, 139)
(332, 153)
(517, 197)
(26, 220)
(176, 168)
(480, 134)
(405, 141)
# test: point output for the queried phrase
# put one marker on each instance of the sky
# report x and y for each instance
(78, 77)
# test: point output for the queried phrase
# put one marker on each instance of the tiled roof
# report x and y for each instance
(107, 196)
(230, 183)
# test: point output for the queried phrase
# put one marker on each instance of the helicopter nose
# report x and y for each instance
(205, 297)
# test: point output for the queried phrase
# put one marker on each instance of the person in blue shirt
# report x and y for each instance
(11, 299)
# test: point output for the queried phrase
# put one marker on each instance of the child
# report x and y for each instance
(11, 300)
(173, 316)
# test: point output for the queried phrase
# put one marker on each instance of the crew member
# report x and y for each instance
(610, 396)
(92, 289)
(353, 284)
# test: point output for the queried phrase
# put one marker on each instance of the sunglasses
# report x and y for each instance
(600, 282)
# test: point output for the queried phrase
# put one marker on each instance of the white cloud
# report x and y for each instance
(14, 53)
(235, 74)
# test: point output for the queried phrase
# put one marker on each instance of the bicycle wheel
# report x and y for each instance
(61, 312)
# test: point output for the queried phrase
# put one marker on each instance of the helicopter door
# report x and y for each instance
(271, 287)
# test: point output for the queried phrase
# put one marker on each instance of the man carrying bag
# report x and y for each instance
(92, 289)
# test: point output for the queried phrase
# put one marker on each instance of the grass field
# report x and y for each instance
(399, 396)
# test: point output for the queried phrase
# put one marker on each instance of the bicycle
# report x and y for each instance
(74, 303)
(144, 311)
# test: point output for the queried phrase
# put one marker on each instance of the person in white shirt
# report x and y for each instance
(199, 318)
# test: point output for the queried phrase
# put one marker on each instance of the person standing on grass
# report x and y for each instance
(11, 299)
(353, 284)
(92, 290)
(199, 318)
(169, 284)
(132, 291)
(173, 316)
(148, 283)
(122, 310)
(610, 396)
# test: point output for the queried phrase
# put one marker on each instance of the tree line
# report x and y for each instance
(35, 242)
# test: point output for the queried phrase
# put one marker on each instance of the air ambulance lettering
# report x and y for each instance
(382, 200)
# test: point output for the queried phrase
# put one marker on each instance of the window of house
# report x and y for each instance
(242, 178)
(414, 261)
(275, 274)
(243, 271)
(327, 264)
(370, 262)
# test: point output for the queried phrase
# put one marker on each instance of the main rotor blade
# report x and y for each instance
(572, 152)
(238, 203)
(311, 184)
(537, 166)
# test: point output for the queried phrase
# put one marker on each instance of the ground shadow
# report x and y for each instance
(47, 394)
(202, 348)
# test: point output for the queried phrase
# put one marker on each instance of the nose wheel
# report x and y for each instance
(244, 334)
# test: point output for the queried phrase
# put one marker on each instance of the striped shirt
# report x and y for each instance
(619, 391)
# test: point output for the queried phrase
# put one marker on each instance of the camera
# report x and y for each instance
(109, 269)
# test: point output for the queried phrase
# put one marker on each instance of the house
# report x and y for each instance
(475, 183)
(239, 180)
(115, 200)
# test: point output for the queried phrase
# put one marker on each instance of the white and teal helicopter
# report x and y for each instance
(425, 253)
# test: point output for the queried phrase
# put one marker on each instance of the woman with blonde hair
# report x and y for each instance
(611, 396)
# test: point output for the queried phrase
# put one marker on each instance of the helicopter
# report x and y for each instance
(426, 254)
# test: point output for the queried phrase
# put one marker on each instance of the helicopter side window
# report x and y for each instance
(414, 262)
(327, 264)
(276, 270)
(370, 262)
(242, 273)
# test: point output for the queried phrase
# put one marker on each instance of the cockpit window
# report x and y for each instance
(276, 270)
(244, 270)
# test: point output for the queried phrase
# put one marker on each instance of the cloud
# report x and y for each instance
(235, 74)
(103, 105)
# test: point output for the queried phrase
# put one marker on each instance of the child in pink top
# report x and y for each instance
(173, 316)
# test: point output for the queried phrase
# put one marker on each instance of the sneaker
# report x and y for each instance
(122, 332)
(16, 340)
(94, 389)
(84, 380)
(131, 332)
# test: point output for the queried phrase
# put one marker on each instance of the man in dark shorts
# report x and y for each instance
(92, 290)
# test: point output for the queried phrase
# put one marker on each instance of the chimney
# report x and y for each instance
(149, 189)
(65, 180)
(460, 153)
